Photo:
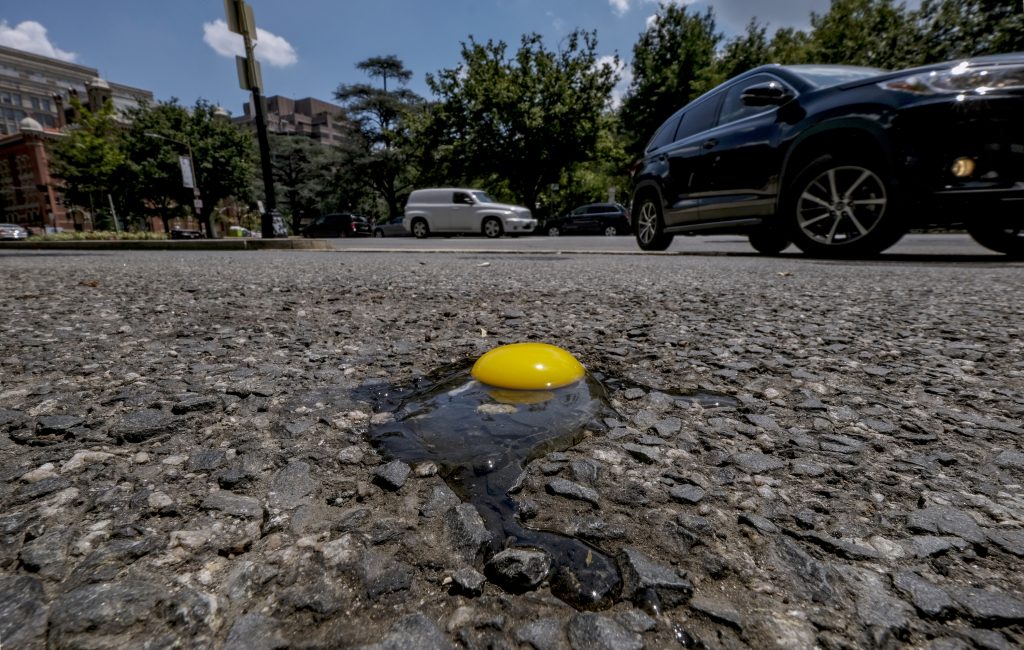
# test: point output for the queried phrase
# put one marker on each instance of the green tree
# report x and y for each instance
(377, 127)
(90, 158)
(223, 157)
(951, 29)
(304, 173)
(519, 122)
(875, 33)
(673, 63)
(789, 46)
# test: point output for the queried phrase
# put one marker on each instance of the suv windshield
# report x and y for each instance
(482, 197)
(823, 76)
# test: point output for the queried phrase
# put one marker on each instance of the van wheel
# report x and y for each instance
(420, 229)
(492, 228)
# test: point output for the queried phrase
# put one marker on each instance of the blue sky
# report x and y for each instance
(178, 49)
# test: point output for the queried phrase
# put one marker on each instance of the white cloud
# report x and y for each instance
(270, 48)
(625, 77)
(619, 7)
(30, 36)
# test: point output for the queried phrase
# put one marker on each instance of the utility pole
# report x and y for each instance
(240, 20)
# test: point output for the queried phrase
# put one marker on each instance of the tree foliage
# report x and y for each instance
(90, 159)
(673, 62)
(304, 173)
(223, 159)
(950, 29)
(519, 121)
(377, 128)
(874, 33)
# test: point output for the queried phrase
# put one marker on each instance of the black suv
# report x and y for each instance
(841, 160)
(592, 219)
(338, 224)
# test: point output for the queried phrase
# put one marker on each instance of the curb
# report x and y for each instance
(238, 244)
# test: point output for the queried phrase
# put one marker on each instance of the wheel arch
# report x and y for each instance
(846, 136)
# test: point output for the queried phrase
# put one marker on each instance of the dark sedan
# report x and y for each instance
(608, 219)
(338, 224)
(842, 161)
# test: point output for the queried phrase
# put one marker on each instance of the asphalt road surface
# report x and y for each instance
(219, 449)
(951, 246)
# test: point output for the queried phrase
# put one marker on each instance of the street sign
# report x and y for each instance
(249, 76)
(187, 178)
(198, 203)
(240, 22)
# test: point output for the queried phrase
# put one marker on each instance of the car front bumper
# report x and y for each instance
(986, 131)
(519, 225)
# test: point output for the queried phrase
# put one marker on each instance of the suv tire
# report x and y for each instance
(1000, 237)
(768, 241)
(842, 206)
(650, 227)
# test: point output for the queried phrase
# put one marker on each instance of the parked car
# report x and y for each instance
(608, 219)
(240, 231)
(12, 231)
(394, 227)
(458, 210)
(841, 160)
(338, 224)
(185, 233)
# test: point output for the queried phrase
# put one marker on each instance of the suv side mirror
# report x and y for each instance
(769, 93)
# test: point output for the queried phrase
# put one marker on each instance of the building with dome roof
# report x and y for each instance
(35, 103)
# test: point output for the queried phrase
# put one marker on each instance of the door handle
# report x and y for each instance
(710, 144)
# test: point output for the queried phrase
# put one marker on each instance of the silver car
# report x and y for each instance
(12, 231)
(392, 228)
(450, 210)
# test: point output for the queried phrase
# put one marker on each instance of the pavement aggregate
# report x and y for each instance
(184, 459)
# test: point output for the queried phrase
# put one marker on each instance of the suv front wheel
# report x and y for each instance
(650, 228)
(842, 207)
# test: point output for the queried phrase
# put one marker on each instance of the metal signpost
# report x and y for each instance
(241, 21)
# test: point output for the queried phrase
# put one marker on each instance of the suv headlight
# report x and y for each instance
(960, 79)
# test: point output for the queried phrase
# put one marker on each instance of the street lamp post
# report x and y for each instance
(189, 180)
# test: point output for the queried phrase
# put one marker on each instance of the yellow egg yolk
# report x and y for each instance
(528, 366)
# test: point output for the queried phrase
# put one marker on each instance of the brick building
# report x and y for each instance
(35, 93)
(310, 117)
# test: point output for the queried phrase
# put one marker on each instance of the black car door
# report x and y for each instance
(742, 157)
(687, 180)
(571, 223)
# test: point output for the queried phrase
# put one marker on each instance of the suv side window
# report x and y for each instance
(733, 107)
(699, 118)
(597, 209)
(461, 198)
(665, 134)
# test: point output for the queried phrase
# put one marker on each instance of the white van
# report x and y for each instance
(459, 210)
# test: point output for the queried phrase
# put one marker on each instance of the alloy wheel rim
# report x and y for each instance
(491, 228)
(610, 231)
(553, 232)
(647, 222)
(841, 205)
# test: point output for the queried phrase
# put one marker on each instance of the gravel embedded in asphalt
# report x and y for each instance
(184, 460)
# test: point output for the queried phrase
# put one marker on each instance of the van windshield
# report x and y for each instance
(482, 197)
